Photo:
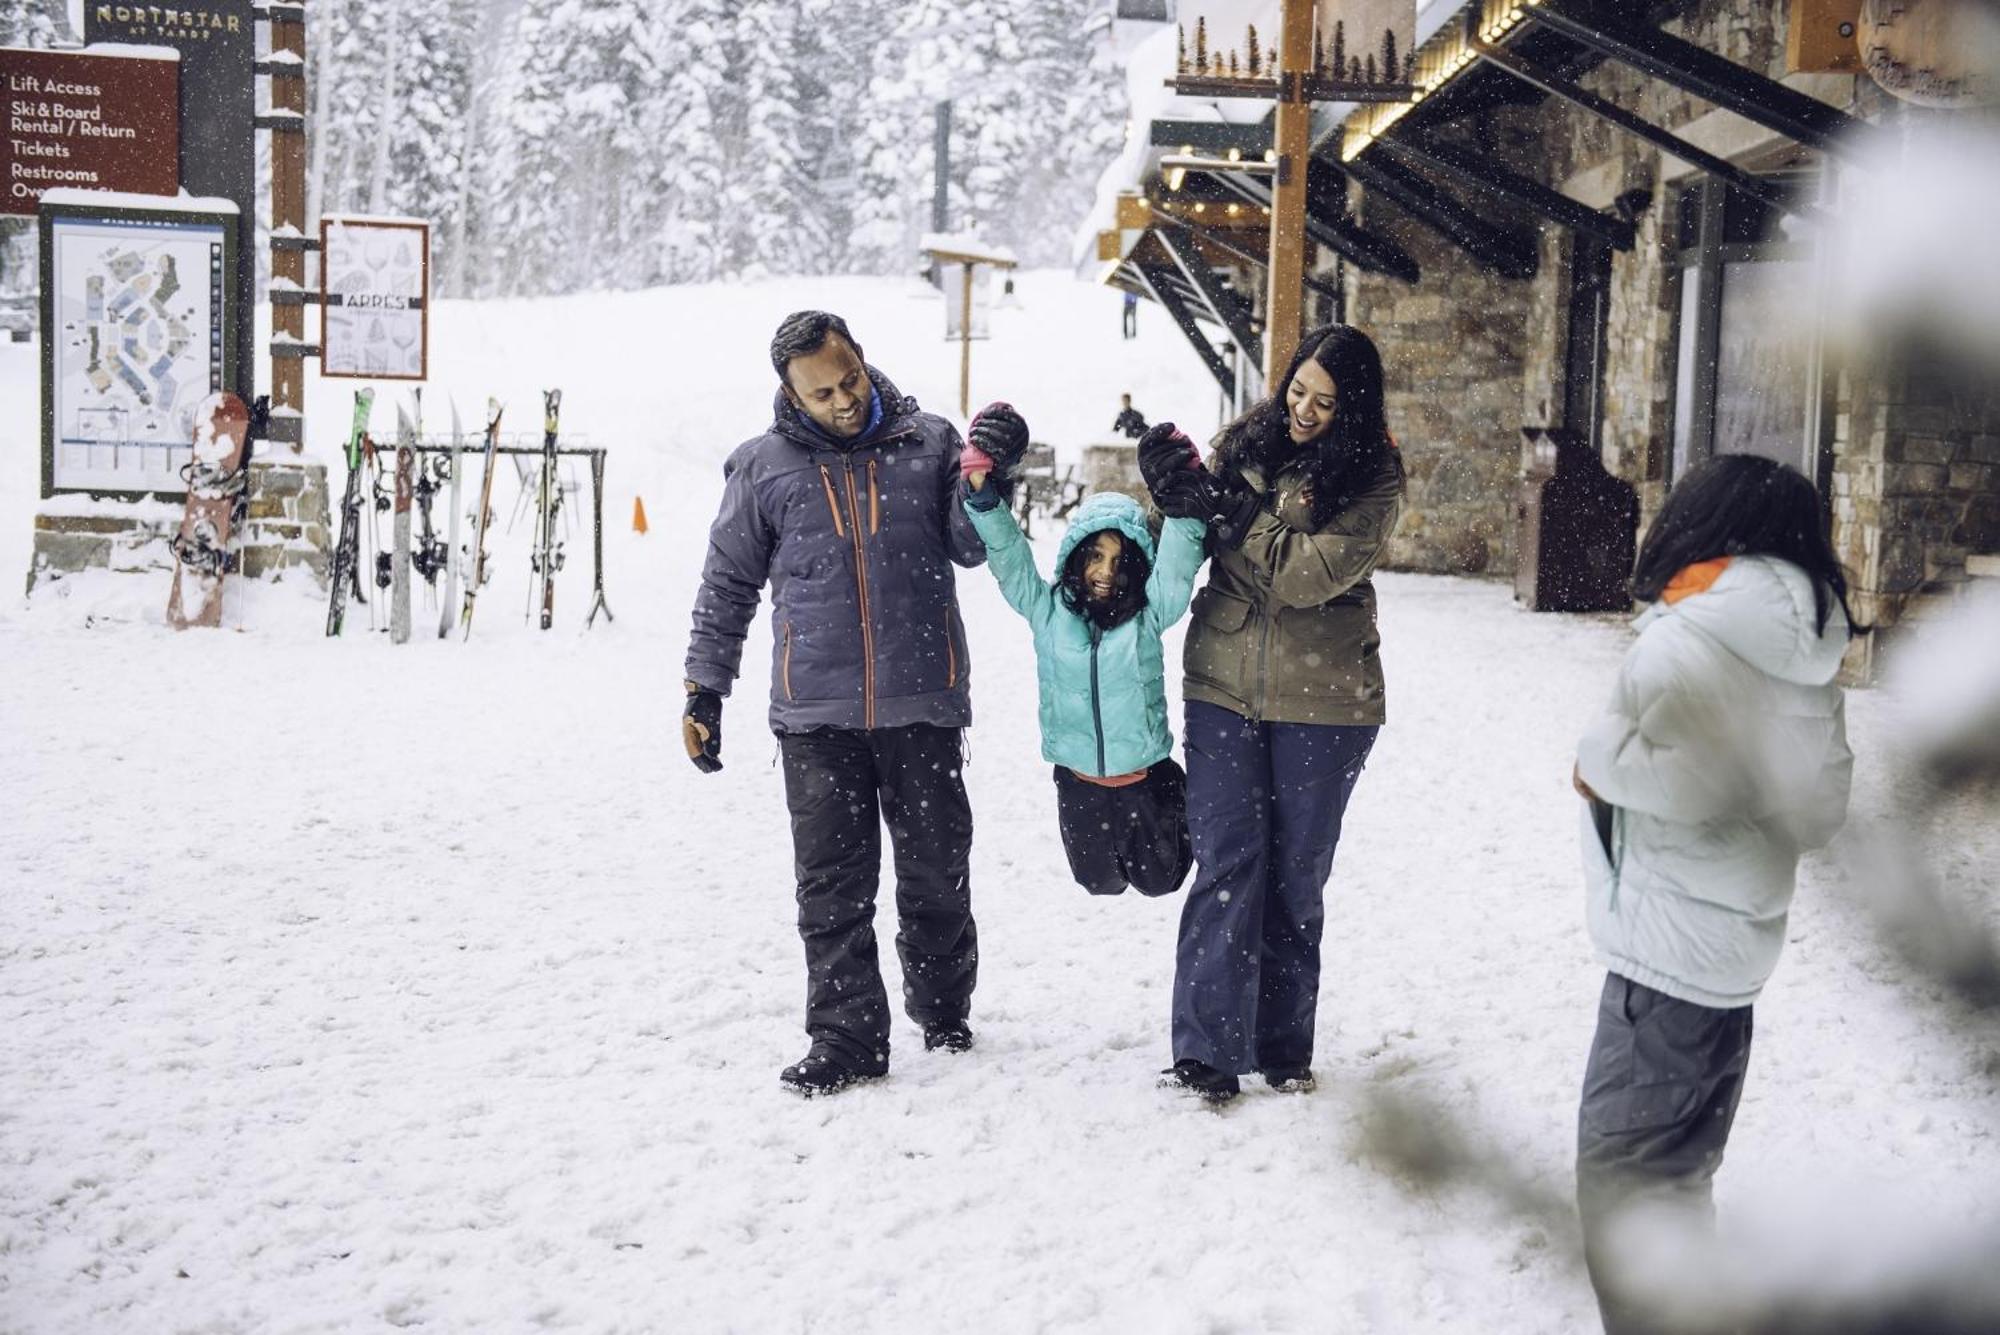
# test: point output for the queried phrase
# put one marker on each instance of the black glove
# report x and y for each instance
(1231, 506)
(1000, 431)
(1165, 451)
(1183, 494)
(701, 728)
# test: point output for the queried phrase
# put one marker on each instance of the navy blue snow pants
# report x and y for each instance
(1265, 802)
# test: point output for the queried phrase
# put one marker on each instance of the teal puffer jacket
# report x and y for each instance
(1103, 693)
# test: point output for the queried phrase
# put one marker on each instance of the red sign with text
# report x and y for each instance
(82, 121)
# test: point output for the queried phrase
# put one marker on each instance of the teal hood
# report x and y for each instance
(1103, 693)
(1106, 510)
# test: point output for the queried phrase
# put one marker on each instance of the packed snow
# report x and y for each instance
(345, 985)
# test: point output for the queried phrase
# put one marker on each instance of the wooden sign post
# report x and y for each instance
(967, 252)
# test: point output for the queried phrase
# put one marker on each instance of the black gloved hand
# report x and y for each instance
(1183, 494)
(1002, 434)
(1165, 451)
(1231, 506)
(701, 728)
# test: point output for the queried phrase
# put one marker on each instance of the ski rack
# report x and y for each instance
(594, 453)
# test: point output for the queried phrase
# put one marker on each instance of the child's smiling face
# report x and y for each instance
(1100, 566)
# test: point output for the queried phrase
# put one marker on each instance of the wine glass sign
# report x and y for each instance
(375, 300)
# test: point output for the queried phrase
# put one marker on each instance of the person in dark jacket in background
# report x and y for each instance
(1284, 699)
(1130, 421)
(848, 507)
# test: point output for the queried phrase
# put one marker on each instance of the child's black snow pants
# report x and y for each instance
(1136, 835)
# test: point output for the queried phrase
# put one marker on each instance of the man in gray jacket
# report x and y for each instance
(847, 506)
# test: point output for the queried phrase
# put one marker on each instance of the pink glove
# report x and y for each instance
(972, 460)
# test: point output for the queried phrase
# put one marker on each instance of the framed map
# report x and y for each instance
(375, 298)
(137, 305)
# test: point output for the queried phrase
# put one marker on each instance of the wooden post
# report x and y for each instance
(1285, 306)
(965, 347)
(288, 210)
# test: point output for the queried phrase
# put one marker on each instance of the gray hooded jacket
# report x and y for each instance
(857, 541)
(1723, 754)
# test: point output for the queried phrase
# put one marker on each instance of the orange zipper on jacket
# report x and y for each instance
(874, 502)
(832, 505)
(950, 653)
(788, 661)
(861, 587)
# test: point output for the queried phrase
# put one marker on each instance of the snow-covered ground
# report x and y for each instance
(346, 986)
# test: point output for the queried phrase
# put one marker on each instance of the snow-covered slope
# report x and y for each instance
(444, 993)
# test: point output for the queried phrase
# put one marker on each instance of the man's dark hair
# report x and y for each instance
(1743, 505)
(803, 333)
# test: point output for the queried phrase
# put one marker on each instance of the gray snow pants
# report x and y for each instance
(1659, 1096)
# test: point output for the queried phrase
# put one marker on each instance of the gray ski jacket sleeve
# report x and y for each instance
(740, 542)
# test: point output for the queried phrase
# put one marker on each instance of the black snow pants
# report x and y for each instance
(1136, 835)
(1659, 1097)
(841, 785)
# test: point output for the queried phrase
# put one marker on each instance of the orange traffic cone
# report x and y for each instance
(638, 515)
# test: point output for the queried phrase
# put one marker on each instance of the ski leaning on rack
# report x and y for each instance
(548, 552)
(217, 479)
(399, 572)
(451, 554)
(597, 603)
(476, 574)
(347, 551)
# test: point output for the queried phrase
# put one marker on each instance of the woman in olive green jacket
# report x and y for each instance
(1284, 697)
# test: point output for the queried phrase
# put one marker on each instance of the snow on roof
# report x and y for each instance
(120, 199)
(965, 246)
(110, 50)
(374, 219)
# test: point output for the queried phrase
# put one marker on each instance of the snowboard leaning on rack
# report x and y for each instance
(548, 551)
(217, 479)
(347, 551)
(476, 573)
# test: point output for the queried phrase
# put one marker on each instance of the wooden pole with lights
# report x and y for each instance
(1285, 307)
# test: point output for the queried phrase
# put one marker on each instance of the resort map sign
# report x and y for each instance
(137, 305)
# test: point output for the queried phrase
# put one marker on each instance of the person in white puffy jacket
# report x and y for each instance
(1721, 756)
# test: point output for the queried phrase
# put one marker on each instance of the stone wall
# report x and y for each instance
(288, 528)
(1451, 366)
(1915, 469)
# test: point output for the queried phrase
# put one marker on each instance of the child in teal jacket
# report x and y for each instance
(1120, 797)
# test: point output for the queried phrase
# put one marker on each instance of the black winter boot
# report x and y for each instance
(1200, 1078)
(951, 1035)
(820, 1072)
(1291, 1079)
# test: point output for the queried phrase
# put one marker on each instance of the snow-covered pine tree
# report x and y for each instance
(777, 221)
(690, 120)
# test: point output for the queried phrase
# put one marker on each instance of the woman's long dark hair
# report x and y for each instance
(1743, 505)
(1355, 448)
(1128, 588)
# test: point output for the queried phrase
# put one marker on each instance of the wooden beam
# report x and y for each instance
(1709, 76)
(1164, 293)
(1483, 173)
(1212, 136)
(1230, 309)
(1504, 251)
(1284, 302)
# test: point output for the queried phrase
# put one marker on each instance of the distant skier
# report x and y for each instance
(1131, 315)
(848, 506)
(1130, 421)
(1121, 800)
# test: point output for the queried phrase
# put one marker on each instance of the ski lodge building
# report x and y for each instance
(1595, 247)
